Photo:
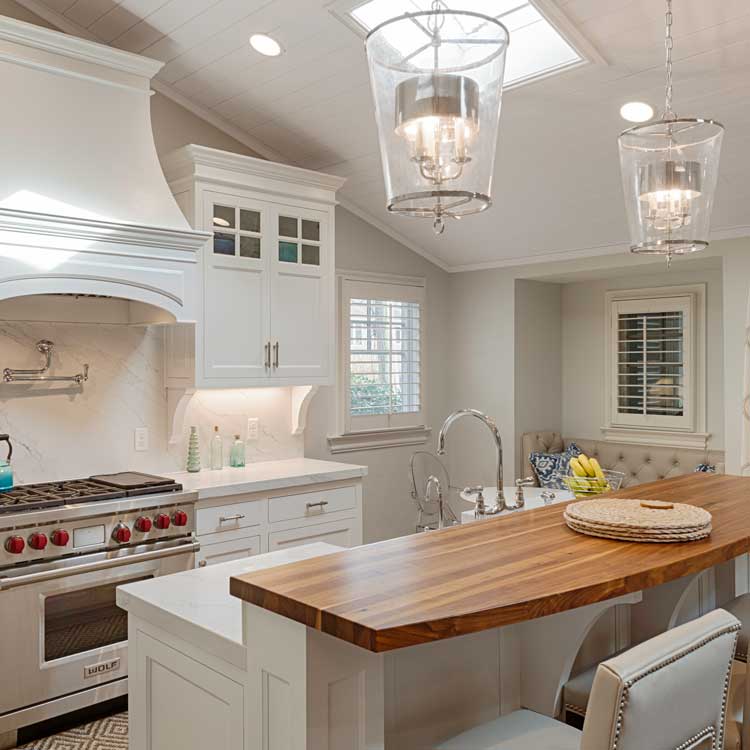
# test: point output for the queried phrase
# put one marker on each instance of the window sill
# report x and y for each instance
(662, 438)
(375, 439)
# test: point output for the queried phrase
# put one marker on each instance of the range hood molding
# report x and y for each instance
(84, 205)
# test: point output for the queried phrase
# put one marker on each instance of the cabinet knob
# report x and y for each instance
(202, 564)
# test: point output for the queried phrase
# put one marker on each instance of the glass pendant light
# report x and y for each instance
(437, 78)
(669, 170)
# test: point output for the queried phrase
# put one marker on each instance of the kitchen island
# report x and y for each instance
(410, 641)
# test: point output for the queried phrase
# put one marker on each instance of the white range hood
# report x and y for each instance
(84, 206)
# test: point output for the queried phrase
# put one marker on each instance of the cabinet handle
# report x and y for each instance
(227, 519)
(321, 504)
(267, 347)
(202, 564)
(276, 355)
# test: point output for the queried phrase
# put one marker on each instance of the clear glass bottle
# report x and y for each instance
(217, 450)
(237, 454)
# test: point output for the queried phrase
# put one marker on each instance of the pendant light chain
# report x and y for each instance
(668, 44)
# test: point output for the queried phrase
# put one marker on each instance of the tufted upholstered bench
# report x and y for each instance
(639, 463)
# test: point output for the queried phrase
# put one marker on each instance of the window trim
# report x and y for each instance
(693, 435)
(345, 440)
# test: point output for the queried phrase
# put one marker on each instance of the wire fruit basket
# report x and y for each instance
(592, 486)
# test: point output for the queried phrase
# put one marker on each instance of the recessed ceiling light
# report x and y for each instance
(636, 112)
(266, 45)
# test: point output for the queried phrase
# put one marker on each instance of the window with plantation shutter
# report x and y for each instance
(382, 328)
(653, 372)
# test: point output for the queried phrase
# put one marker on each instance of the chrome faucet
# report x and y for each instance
(498, 444)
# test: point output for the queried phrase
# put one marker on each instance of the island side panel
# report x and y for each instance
(309, 690)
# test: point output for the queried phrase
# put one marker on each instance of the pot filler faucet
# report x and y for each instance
(500, 501)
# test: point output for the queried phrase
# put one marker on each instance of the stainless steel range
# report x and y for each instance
(64, 549)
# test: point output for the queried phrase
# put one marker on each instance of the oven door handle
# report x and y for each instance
(114, 562)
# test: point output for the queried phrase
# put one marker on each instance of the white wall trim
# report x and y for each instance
(374, 439)
(664, 438)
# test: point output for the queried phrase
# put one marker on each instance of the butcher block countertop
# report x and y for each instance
(435, 585)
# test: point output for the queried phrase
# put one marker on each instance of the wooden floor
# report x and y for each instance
(437, 585)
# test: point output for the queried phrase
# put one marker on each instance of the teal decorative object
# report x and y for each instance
(194, 455)
(237, 454)
(6, 472)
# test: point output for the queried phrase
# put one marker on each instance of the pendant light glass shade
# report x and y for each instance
(437, 80)
(669, 171)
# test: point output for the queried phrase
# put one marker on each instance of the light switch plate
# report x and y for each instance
(141, 438)
(253, 428)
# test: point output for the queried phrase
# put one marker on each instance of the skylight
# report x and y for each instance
(536, 46)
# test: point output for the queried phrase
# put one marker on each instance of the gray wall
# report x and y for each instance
(388, 509)
(584, 349)
(538, 358)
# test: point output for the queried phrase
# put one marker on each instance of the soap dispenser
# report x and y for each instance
(6, 472)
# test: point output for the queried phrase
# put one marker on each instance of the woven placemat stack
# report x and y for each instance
(639, 520)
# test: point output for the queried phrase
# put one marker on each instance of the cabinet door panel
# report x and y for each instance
(237, 549)
(340, 532)
(236, 322)
(301, 294)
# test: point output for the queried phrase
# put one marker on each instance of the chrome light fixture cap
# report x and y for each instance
(437, 79)
(669, 171)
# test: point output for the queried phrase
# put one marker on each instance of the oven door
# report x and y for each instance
(60, 628)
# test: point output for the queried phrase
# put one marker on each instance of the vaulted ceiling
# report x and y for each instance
(557, 187)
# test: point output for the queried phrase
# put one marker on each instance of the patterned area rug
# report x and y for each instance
(110, 733)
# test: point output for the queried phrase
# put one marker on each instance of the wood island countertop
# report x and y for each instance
(426, 587)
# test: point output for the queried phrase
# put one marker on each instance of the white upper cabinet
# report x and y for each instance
(267, 275)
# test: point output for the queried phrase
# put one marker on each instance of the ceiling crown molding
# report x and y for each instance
(86, 50)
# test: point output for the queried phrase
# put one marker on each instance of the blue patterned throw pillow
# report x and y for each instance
(547, 466)
(706, 468)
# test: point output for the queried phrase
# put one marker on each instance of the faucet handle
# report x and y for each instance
(527, 482)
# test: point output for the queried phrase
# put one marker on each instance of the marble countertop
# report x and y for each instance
(266, 475)
(196, 605)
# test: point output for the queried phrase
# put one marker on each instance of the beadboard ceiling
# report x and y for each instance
(557, 188)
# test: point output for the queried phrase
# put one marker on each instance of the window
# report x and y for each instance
(381, 384)
(537, 47)
(656, 361)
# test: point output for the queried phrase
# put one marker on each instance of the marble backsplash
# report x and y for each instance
(63, 431)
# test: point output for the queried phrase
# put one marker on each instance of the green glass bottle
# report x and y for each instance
(237, 454)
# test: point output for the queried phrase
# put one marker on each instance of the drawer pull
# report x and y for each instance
(227, 519)
(322, 504)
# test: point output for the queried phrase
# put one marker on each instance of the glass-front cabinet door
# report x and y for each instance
(301, 292)
(236, 292)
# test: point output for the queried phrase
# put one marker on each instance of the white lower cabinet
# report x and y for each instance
(210, 554)
(169, 681)
(342, 533)
(245, 525)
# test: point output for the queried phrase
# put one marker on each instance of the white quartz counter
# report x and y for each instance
(266, 475)
(196, 605)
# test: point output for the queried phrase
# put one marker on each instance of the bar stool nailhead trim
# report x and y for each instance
(716, 742)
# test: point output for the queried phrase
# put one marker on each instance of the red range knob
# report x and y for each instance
(121, 534)
(38, 541)
(180, 518)
(14, 545)
(162, 521)
(143, 524)
(60, 537)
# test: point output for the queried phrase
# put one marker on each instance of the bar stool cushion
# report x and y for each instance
(521, 729)
(740, 608)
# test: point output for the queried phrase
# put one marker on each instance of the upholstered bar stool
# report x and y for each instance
(668, 692)
(740, 608)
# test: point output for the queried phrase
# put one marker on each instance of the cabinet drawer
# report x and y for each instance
(211, 554)
(231, 516)
(311, 504)
(341, 533)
